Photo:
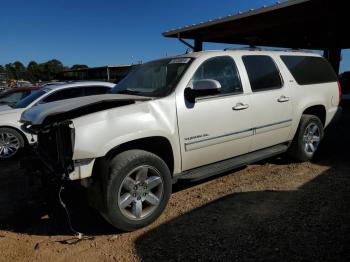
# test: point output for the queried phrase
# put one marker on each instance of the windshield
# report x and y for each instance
(11, 97)
(31, 98)
(153, 79)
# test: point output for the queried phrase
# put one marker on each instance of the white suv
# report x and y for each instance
(185, 117)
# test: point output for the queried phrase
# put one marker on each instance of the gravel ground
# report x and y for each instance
(275, 210)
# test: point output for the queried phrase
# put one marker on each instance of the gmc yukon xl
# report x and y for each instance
(185, 117)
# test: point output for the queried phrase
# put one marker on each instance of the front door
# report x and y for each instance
(217, 126)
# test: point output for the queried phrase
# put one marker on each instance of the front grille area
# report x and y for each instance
(55, 148)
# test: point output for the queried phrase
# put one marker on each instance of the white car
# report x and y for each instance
(12, 138)
(185, 117)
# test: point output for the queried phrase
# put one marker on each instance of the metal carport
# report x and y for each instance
(304, 24)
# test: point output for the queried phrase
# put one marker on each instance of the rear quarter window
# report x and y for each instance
(308, 70)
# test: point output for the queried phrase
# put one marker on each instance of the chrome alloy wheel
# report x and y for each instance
(311, 138)
(140, 192)
(9, 145)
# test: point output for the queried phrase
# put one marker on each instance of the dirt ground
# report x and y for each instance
(275, 210)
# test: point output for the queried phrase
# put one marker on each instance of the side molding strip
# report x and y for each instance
(236, 135)
(219, 139)
(273, 126)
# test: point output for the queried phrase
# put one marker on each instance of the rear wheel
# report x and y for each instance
(11, 141)
(307, 139)
(138, 189)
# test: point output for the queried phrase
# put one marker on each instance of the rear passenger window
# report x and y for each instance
(262, 72)
(308, 70)
(222, 69)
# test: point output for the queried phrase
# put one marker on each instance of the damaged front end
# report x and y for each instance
(55, 147)
(52, 123)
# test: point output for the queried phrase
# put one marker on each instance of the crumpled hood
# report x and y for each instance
(75, 107)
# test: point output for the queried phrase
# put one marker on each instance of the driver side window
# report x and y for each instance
(222, 69)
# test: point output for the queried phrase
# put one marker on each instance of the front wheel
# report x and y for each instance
(307, 139)
(137, 191)
(11, 141)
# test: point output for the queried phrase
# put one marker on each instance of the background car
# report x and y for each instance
(13, 95)
(12, 138)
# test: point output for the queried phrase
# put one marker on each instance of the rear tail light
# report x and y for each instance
(340, 91)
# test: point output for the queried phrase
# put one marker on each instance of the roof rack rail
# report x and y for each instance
(293, 50)
(249, 48)
(298, 50)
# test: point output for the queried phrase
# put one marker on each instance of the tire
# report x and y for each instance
(138, 189)
(299, 149)
(16, 140)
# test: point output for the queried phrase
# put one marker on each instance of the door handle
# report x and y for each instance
(240, 106)
(283, 99)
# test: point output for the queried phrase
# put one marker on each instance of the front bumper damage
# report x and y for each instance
(82, 169)
(56, 133)
(55, 147)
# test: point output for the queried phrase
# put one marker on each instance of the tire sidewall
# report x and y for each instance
(22, 142)
(120, 166)
(306, 120)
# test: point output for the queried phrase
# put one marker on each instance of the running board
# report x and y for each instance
(232, 163)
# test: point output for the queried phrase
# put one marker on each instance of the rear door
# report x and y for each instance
(217, 126)
(271, 103)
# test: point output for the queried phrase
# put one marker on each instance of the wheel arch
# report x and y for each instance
(317, 110)
(25, 139)
(157, 145)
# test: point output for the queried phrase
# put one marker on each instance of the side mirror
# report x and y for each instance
(205, 87)
(206, 84)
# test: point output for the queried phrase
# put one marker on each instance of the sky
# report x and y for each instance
(106, 32)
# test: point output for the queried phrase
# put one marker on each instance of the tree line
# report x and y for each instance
(35, 72)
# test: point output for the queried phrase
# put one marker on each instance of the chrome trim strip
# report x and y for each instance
(273, 124)
(218, 140)
(236, 135)
(211, 138)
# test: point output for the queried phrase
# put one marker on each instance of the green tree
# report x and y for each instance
(33, 72)
(10, 71)
(50, 69)
(3, 75)
(19, 70)
(78, 66)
